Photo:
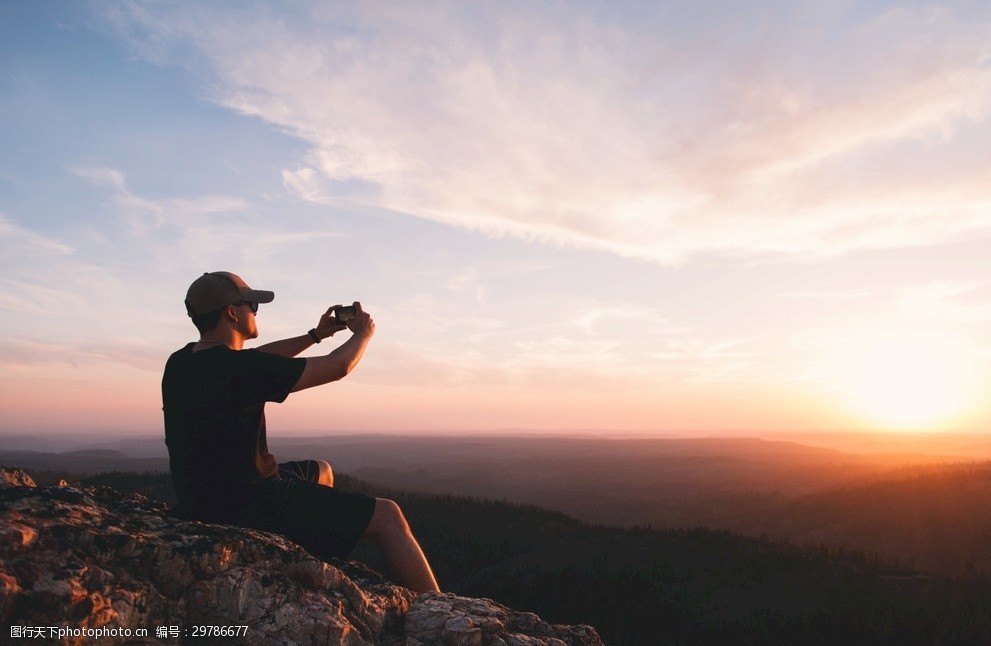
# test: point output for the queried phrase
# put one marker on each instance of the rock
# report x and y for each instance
(14, 478)
(84, 561)
(436, 618)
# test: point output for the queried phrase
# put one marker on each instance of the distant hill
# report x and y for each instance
(84, 461)
(931, 517)
(724, 483)
(923, 510)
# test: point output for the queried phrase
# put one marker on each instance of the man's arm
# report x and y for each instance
(326, 327)
(288, 347)
(343, 359)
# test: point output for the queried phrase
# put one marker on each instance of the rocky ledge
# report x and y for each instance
(97, 566)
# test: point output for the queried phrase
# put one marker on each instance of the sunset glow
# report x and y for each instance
(907, 384)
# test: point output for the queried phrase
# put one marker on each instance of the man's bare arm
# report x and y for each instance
(288, 347)
(343, 359)
(291, 347)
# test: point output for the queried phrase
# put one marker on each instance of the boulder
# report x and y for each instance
(98, 566)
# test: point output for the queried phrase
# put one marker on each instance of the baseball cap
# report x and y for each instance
(218, 289)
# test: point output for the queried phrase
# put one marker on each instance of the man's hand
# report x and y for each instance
(362, 322)
(343, 359)
(328, 325)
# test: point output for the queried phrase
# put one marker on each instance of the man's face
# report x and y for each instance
(246, 323)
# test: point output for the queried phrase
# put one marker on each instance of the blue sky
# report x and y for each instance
(620, 216)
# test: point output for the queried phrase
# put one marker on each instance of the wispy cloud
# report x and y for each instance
(164, 210)
(857, 293)
(24, 355)
(779, 136)
(18, 241)
(965, 302)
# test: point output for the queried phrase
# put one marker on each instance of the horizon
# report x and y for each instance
(636, 218)
(961, 446)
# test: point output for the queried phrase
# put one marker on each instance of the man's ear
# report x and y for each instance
(230, 312)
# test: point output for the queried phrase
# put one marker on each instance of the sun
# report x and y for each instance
(908, 383)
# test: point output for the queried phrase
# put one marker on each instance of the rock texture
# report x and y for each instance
(86, 560)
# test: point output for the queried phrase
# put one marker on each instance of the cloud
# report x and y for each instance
(177, 229)
(163, 210)
(23, 355)
(854, 294)
(962, 302)
(660, 135)
(131, 258)
(304, 183)
(17, 241)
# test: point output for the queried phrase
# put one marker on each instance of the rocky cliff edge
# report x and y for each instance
(94, 565)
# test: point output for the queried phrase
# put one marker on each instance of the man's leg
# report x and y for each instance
(391, 534)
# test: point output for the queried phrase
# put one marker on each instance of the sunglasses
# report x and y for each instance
(253, 306)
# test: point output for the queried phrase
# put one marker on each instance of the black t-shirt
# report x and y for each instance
(214, 404)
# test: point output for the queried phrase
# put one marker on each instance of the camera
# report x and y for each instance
(345, 313)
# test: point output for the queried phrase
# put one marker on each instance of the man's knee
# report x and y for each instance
(387, 519)
(325, 473)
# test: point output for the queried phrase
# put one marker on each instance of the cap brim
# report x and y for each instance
(257, 296)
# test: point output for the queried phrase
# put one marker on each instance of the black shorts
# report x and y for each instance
(326, 521)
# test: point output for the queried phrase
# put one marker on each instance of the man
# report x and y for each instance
(214, 395)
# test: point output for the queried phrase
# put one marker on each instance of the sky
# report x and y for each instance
(643, 217)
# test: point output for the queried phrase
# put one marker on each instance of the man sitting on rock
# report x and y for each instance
(214, 395)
